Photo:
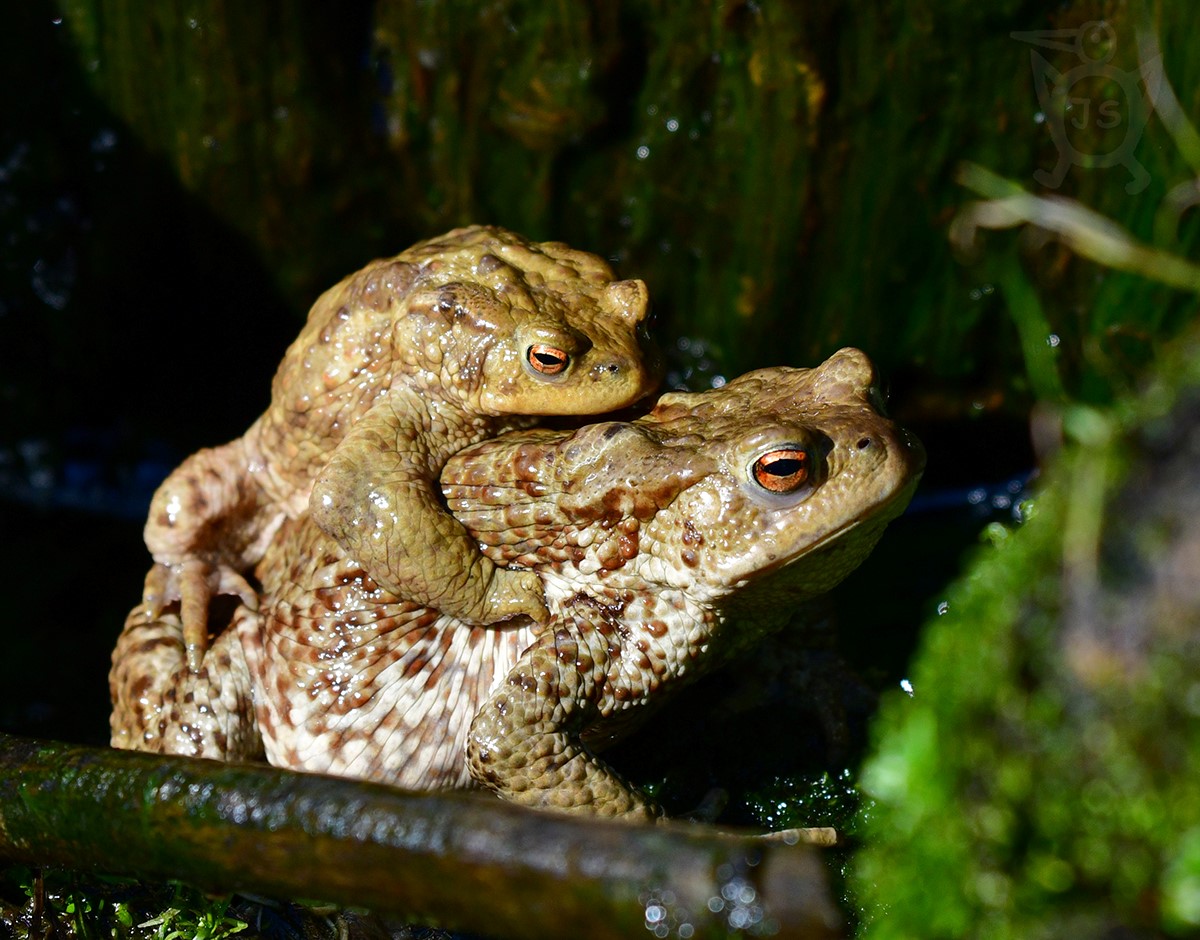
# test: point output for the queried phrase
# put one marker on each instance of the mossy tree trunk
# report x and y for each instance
(781, 174)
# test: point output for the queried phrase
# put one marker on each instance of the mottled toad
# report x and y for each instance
(399, 366)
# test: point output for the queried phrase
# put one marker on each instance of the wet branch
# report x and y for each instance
(462, 861)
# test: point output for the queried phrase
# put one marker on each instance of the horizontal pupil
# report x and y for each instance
(783, 467)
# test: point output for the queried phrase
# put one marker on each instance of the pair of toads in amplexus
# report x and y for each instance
(430, 590)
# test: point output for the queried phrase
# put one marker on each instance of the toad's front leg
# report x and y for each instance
(378, 497)
(525, 742)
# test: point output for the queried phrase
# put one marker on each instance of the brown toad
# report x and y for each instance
(399, 366)
(665, 545)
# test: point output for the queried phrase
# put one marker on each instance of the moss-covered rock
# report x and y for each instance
(1044, 779)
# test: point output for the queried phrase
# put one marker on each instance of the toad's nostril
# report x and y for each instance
(864, 443)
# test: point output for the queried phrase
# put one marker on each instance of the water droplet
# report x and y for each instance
(672, 125)
(52, 281)
(104, 141)
(942, 607)
(907, 687)
(1039, 117)
(1053, 340)
(643, 152)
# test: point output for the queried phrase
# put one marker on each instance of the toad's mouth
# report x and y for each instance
(869, 525)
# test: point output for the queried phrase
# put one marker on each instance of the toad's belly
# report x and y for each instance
(386, 694)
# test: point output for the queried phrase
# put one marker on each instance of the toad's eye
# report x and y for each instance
(782, 471)
(546, 359)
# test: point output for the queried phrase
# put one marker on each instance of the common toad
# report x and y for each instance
(666, 545)
(399, 366)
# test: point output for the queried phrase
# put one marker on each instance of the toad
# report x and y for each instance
(398, 366)
(665, 545)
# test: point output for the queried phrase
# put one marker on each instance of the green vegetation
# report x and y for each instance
(1045, 776)
(781, 174)
(1044, 780)
(66, 905)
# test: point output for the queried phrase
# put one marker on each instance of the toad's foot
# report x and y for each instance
(511, 593)
(525, 742)
(162, 706)
(192, 584)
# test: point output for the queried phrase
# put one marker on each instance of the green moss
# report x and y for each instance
(781, 174)
(1045, 776)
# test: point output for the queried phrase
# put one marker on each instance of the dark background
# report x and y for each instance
(178, 183)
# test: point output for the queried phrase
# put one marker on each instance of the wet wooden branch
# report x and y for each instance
(463, 861)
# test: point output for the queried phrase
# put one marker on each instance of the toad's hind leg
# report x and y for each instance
(525, 742)
(193, 584)
(208, 525)
(378, 498)
(161, 705)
